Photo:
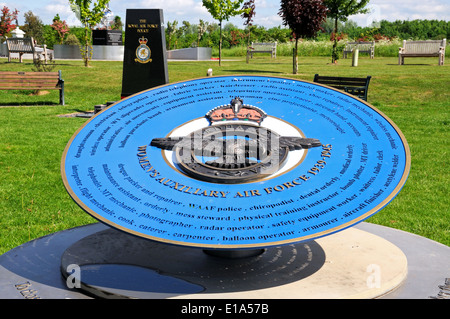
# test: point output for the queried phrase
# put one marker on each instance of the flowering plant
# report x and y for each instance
(62, 28)
(6, 20)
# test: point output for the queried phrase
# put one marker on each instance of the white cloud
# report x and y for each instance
(407, 10)
(268, 21)
(190, 10)
(62, 8)
(262, 4)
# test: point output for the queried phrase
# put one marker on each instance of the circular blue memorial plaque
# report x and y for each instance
(236, 162)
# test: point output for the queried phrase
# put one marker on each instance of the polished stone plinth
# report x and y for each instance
(366, 261)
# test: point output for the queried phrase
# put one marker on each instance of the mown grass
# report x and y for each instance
(34, 203)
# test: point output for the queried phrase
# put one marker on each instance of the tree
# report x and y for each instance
(249, 13)
(171, 30)
(33, 27)
(61, 27)
(201, 29)
(117, 23)
(6, 20)
(89, 12)
(223, 10)
(304, 18)
(341, 10)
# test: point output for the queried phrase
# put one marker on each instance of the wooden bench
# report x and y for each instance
(270, 47)
(27, 45)
(363, 47)
(354, 86)
(33, 81)
(428, 48)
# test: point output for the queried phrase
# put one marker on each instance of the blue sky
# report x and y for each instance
(266, 10)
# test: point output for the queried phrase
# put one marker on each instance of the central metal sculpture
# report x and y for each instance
(232, 153)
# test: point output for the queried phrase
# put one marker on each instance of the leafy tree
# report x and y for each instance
(416, 29)
(117, 23)
(212, 27)
(249, 13)
(184, 29)
(33, 27)
(171, 30)
(89, 12)
(6, 20)
(304, 18)
(341, 10)
(62, 28)
(201, 29)
(278, 34)
(223, 10)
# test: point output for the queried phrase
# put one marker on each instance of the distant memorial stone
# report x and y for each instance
(236, 162)
(145, 61)
(107, 37)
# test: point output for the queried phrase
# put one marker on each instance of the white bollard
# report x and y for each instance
(355, 56)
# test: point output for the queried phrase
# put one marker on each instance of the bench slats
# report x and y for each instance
(25, 85)
(363, 47)
(26, 45)
(29, 74)
(355, 86)
(428, 48)
(342, 80)
(31, 88)
(33, 81)
(262, 48)
(29, 79)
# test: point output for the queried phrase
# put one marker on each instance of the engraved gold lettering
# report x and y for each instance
(214, 194)
(224, 194)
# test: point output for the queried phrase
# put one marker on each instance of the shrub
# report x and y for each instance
(72, 40)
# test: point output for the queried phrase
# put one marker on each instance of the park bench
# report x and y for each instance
(27, 45)
(363, 47)
(428, 48)
(269, 47)
(33, 81)
(354, 86)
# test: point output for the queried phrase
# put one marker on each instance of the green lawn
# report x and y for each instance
(33, 200)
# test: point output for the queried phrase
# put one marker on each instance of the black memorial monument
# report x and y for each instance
(144, 61)
(107, 37)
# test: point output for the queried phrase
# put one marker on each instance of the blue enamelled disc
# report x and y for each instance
(112, 170)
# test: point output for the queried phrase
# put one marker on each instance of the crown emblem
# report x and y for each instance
(143, 40)
(236, 111)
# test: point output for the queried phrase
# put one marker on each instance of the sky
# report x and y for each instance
(266, 10)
